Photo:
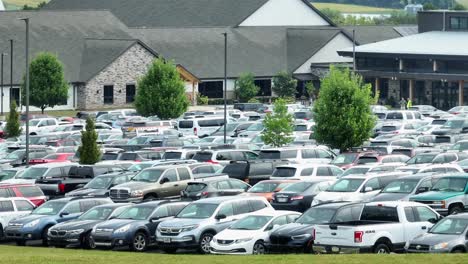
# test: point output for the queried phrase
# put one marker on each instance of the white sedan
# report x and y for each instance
(249, 234)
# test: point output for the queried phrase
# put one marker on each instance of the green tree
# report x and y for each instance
(284, 85)
(13, 128)
(161, 92)
(429, 6)
(311, 90)
(342, 114)
(458, 7)
(89, 149)
(279, 126)
(245, 87)
(48, 87)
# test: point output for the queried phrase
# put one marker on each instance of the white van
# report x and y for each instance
(200, 126)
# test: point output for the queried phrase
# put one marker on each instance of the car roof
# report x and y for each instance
(219, 200)
(55, 165)
(393, 203)
(461, 215)
(275, 213)
(113, 205)
(333, 205)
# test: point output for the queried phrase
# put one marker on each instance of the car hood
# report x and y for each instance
(180, 222)
(133, 185)
(230, 234)
(429, 196)
(293, 229)
(83, 192)
(391, 197)
(76, 224)
(19, 181)
(336, 196)
(6, 160)
(29, 218)
(117, 223)
(433, 239)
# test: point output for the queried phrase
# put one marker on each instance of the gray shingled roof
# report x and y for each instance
(63, 33)
(263, 51)
(371, 34)
(173, 13)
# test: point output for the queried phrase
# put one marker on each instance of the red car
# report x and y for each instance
(55, 157)
(29, 191)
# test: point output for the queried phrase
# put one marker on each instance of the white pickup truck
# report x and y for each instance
(384, 227)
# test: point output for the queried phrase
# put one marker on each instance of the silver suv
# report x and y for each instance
(198, 222)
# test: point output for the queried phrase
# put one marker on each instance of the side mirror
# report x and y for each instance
(112, 217)
(62, 214)
(464, 130)
(164, 180)
(154, 218)
(277, 190)
(433, 220)
(368, 189)
(422, 189)
(220, 216)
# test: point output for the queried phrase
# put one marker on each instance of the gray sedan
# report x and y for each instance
(449, 235)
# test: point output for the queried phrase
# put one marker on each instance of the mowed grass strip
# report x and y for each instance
(24, 2)
(37, 255)
(345, 8)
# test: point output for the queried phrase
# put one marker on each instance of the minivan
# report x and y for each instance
(200, 127)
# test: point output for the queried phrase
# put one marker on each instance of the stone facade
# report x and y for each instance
(126, 69)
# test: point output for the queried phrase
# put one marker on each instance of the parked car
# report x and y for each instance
(77, 232)
(214, 187)
(249, 234)
(449, 235)
(306, 171)
(55, 157)
(383, 227)
(196, 225)
(30, 191)
(10, 173)
(36, 225)
(403, 188)
(299, 236)
(268, 188)
(41, 171)
(299, 154)
(223, 157)
(12, 208)
(41, 126)
(252, 171)
(100, 185)
(298, 196)
(200, 126)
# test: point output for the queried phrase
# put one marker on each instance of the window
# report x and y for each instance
(15, 95)
(4, 192)
(23, 206)
(119, 180)
(183, 174)
(86, 205)
(425, 214)
(282, 220)
(241, 207)
(250, 156)
(73, 208)
(322, 154)
(410, 214)
(31, 191)
(335, 171)
(307, 172)
(161, 212)
(323, 171)
(175, 208)
(308, 154)
(238, 185)
(458, 22)
(226, 210)
(211, 89)
(373, 183)
(223, 185)
(257, 205)
(54, 172)
(130, 93)
(6, 206)
(108, 94)
(292, 218)
(171, 175)
(348, 213)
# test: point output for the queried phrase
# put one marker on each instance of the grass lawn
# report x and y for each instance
(344, 8)
(19, 3)
(33, 255)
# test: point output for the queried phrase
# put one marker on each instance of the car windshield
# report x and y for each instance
(34, 122)
(355, 170)
(454, 124)
(450, 226)
(49, 208)
(316, 215)
(460, 146)
(255, 127)
(15, 155)
(420, 159)
(137, 141)
(252, 222)
(149, 175)
(347, 158)
(401, 186)
(101, 182)
(101, 213)
(7, 174)
(450, 185)
(298, 187)
(139, 167)
(197, 211)
(284, 172)
(33, 173)
(267, 187)
(346, 185)
(137, 213)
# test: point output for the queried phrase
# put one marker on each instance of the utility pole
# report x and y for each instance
(26, 20)
(225, 85)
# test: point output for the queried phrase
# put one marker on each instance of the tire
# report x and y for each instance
(88, 242)
(21, 243)
(259, 248)
(139, 242)
(45, 242)
(169, 250)
(204, 244)
(458, 251)
(456, 209)
(381, 249)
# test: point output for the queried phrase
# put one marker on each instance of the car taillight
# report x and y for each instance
(358, 236)
(204, 193)
(212, 162)
(294, 198)
(195, 131)
(61, 187)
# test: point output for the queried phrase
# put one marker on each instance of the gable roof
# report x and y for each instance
(173, 13)
(371, 34)
(63, 33)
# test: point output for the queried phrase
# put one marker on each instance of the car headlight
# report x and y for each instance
(188, 228)
(123, 229)
(76, 231)
(441, 245)
(136, 194)
(301, 237)
(243, 240)
(32, 223)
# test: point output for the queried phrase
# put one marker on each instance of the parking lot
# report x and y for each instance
(175, 187)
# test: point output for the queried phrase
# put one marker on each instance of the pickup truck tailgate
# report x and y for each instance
(49, 186)
(334, 235)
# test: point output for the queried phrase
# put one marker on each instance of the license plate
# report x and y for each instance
(167, 240)
(335, 249)
(282, 200)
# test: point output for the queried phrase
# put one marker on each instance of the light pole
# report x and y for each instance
(26, 21)
(11, 68)
(1, 83)
(225, 84)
